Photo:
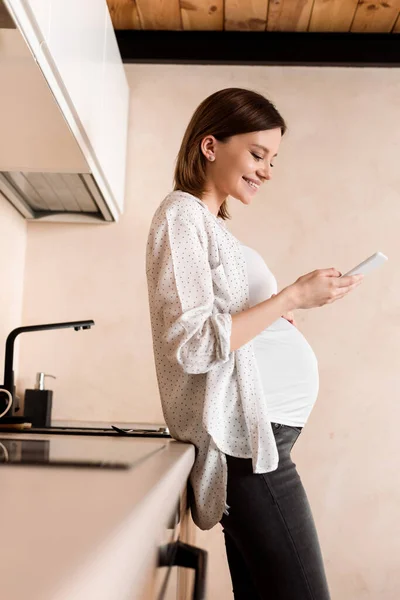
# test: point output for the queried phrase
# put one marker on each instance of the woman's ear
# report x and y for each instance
(208, 147)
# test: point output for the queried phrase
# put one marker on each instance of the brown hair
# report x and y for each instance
(225, 113)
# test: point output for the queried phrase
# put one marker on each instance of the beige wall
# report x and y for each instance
(12, 268)
(333, 201)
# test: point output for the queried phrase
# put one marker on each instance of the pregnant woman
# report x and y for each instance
(236, 377)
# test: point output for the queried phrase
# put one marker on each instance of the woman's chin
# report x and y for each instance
(246, 199)
(243, 198)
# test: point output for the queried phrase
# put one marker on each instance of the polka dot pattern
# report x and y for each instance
(211, 397)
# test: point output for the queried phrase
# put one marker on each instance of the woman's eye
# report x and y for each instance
(260, 158)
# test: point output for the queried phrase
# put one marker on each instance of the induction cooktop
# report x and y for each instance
(98, 429)
(77, 452)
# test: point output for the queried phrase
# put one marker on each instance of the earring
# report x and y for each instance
(211, 157)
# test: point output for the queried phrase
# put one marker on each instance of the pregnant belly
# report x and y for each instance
(289, 372)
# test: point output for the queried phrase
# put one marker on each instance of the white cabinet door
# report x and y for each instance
(83, 46)
(113, 148)
(75, 45)
(41, 12)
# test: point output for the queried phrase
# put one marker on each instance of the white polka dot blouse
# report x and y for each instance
(211, 397)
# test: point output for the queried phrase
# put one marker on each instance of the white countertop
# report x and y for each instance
(87, 533)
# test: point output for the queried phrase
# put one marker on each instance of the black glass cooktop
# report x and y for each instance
(146, 431)
(67, 452)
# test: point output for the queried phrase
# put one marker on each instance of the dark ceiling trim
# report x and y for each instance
(260, 48)
(6, 21)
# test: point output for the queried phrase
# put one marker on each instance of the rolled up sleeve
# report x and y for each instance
(194, 332)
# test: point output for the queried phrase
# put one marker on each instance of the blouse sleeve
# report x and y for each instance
(193, 332)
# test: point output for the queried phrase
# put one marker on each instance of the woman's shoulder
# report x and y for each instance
(181, 204)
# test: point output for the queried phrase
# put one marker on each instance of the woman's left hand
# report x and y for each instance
(288, 316)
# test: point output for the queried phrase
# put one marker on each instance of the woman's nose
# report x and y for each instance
(265, 173)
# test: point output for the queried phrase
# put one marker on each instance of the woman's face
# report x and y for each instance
(241, 165)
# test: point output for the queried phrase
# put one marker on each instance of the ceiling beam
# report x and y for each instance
(259, 48)
(6, 20)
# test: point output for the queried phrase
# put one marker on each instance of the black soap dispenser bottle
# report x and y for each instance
(38, 403)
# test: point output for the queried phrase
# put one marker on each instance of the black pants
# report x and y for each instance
(271, 541)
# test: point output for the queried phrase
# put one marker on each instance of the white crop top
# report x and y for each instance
(287, 364)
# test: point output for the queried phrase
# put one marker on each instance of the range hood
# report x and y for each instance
(63, 145)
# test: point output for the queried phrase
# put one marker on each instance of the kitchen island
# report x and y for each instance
(87, 522)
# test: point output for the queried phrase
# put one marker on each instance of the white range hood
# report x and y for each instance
(63, 111)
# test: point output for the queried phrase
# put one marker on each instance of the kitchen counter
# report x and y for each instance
(86, 532)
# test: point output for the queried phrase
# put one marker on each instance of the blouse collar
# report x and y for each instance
(219, 220)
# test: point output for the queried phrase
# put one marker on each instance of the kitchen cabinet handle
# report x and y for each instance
(180, 554)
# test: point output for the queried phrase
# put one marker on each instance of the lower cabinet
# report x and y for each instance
(179, 570)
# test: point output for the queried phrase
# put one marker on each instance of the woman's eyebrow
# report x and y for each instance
(264, 148)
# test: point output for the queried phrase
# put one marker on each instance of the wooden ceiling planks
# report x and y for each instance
(289, 15)
(333, 15)
(375, 17)
(124, 14)
(160, 14)
(357, 16)
(202, 15)
(250, 15)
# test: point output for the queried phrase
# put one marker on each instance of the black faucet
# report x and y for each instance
(9, 356)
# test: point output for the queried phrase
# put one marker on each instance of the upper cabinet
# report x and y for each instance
(74, 47)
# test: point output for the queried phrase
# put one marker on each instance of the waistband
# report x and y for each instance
(281, 425)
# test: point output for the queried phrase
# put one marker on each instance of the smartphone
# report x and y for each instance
(368, 264)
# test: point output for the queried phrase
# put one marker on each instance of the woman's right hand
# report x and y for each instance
(322, 286)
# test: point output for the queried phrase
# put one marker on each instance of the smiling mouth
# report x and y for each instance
(251, 184)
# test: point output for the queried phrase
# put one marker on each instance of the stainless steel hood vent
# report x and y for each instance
(48, 196)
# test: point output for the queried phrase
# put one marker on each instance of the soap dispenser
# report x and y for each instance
(38, 403)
